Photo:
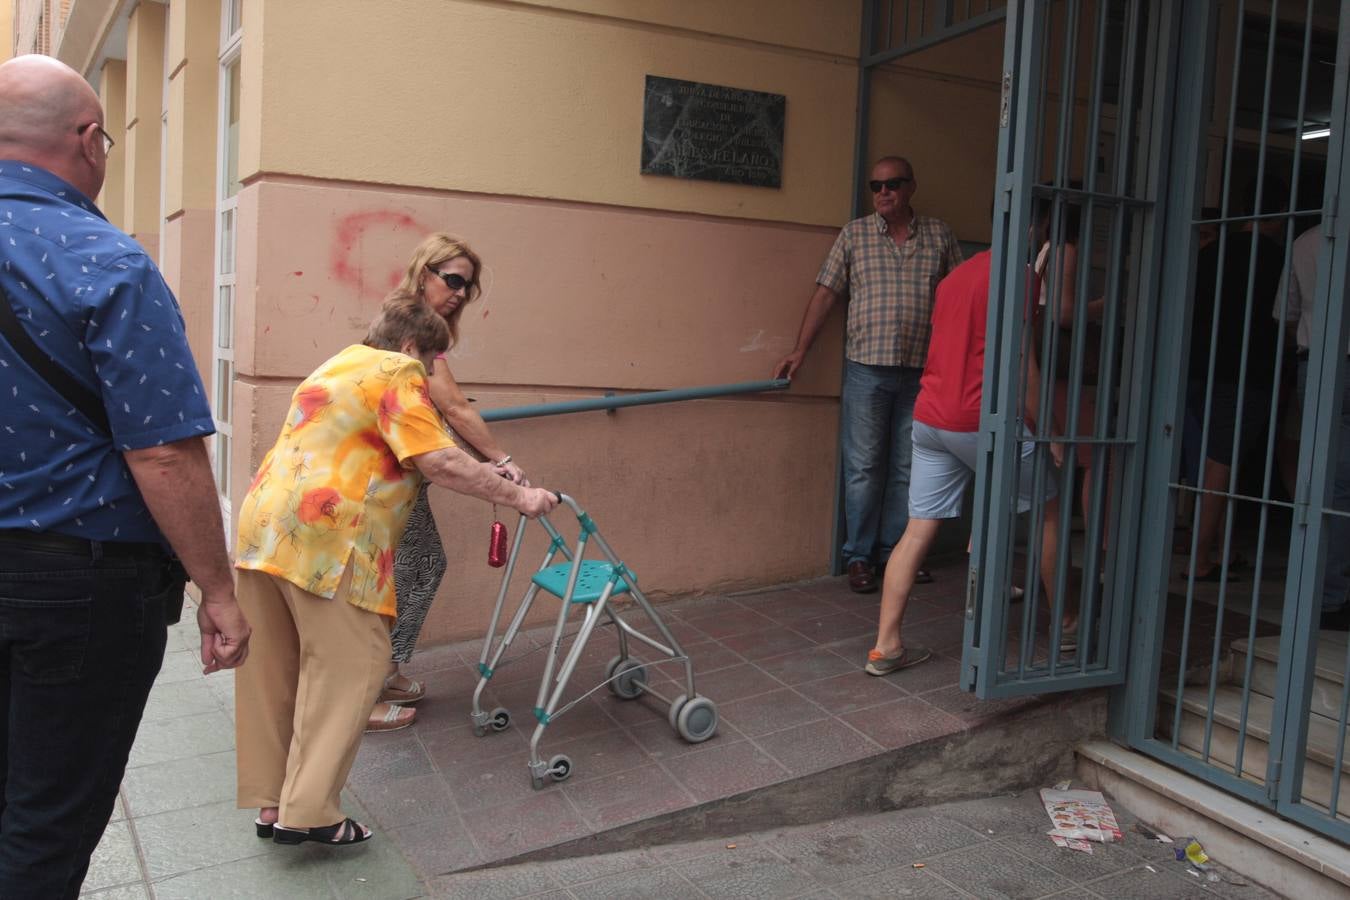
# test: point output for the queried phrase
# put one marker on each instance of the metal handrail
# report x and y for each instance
(644, 398)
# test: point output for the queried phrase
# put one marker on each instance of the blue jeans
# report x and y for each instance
(81, 639)
(878, 414)
(1336, 581)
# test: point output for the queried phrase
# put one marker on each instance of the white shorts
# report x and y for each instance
(943, 463)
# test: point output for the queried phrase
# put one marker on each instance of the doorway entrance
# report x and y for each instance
(1147, 343)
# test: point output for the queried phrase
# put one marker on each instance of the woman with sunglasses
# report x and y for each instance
(444, 273)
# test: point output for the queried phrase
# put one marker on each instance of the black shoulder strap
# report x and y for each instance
(76, 394)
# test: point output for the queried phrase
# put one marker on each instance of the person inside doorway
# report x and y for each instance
(1298, 284)
(888, 265)
(1223, 315)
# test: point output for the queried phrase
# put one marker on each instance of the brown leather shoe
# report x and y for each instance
(860, 577)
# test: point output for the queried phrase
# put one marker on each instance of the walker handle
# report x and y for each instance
(564, 498)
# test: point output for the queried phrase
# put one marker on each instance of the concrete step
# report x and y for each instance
(1329, 684)
(1321, 747)
(1285, 857)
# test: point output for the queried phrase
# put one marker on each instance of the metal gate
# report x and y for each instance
(1232, 679)
(1069, 362)
(1144, 365)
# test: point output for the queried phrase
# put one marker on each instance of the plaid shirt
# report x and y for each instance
(889, 288)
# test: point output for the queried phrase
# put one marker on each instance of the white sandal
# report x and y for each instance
(393, 720)
(415, 691)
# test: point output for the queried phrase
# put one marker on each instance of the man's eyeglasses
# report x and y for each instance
(890, 184)
(108, 142)
(453, 280)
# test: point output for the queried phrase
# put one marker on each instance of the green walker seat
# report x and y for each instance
(591, 580)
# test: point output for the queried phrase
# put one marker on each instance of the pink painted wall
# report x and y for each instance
(697, 497)
(575, 294)
(703, 496)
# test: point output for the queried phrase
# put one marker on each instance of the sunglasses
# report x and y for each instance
(890, 184)
(453, 280)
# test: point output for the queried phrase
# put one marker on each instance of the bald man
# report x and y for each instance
(106, 493)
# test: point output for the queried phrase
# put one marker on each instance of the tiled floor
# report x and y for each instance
(783, 666)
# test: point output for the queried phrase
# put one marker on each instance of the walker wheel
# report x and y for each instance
(499, 719)
(627, 677)
(697, 720)
(559, 768)
(673, 717)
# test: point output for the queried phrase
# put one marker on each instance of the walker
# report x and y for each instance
(591, 584)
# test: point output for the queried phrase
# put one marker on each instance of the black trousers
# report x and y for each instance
(82, 634)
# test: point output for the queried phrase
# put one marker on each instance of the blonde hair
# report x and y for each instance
(435, 250)
(400, 321)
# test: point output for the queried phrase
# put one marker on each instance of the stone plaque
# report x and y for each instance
(712, 133)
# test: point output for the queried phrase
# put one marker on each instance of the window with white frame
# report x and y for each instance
(227, 193)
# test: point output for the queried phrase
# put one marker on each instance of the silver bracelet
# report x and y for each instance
(503, 461)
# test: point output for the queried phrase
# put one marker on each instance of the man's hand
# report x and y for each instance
(817, 309)
(225, 632)
(535, 502)
(788, 365)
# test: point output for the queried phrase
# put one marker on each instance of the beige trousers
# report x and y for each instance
(315, 668)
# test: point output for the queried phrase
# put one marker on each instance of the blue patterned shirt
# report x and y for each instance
(89, 296)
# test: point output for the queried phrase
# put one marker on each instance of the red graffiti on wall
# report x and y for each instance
(350, 240)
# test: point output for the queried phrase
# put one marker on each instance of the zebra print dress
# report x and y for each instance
(419, 565)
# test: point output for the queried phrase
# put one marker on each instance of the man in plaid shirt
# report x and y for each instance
(888, 265)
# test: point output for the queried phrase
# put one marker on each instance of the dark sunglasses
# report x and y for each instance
(890, 184)
(453, 280)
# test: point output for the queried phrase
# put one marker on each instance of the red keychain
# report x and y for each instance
(497, 542)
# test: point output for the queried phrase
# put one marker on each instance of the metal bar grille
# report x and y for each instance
(1244, 688)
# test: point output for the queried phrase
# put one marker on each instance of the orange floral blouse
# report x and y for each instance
(337, 487)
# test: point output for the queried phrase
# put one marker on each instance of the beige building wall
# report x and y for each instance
(538, 102)
(6, 29)
(190, 167)
(112, 92)
(919, 103)
(144, 105)
(523, 134)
